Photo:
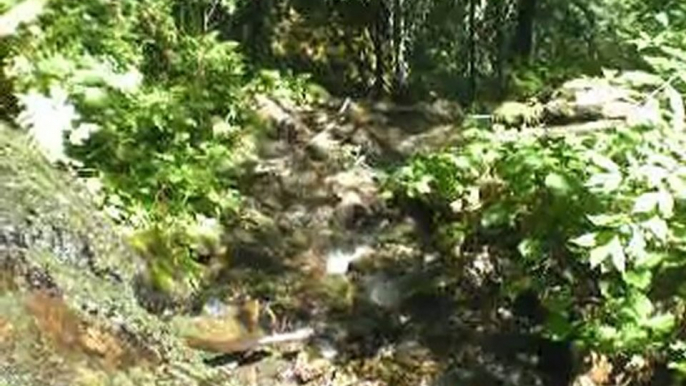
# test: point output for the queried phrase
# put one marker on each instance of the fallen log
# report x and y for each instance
(236, 345)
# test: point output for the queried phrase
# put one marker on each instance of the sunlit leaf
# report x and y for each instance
(639, 279)
(606, 220)
(616, 251)
(606, 182)
(663, 19)
(651, 260)
(598, 255)
(642, 305)
(641, 79)
(636, 247)
(587, 241)
(557, 183)
(648, 114)
(605, 163)
(423, 186)
(529, 248)
(25, 12)
(678, 366)
(631, 333)
(658, 227)
(607, 332)
(654, 174)
(677, 185)
(664, 160)
(662, 323)
(665, 204)
(646, 202)
(676, 104)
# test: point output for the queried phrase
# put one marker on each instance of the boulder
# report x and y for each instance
(73, 298)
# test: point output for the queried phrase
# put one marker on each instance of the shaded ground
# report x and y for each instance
(317, 245)
(404, 312)
(396, 316)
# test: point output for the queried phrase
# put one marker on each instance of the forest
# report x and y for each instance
(343, 192)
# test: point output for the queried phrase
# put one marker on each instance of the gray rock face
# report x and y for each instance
(70, 308)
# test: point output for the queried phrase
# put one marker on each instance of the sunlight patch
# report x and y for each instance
(47, 118)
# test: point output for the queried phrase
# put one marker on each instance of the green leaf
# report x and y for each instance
(636, 247)
(651, 260)
(598, 255)
(95, 97)
(557, 183)
(646, 202)
(658, 227)
(612, 249)
(642, 306)
(529, 248)
(638, 279)
(607, 220)
(586, 241)
(665, 203)
(496, 215)
(662, 323)
(605, 182)
(678, 366)
(558, 326)
(605, 163)
(617, 253)
(631, 335)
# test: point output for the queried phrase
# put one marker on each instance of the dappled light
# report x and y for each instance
(334, 193)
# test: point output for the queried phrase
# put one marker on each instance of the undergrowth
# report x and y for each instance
(599, 220)
(154, 110)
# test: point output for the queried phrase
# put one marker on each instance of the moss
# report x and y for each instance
(516, 114)
(52, 239)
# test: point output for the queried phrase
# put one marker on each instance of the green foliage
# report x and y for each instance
(464, 50)
(598, 220)
(515, 114)
(150, 101)
(154, 102)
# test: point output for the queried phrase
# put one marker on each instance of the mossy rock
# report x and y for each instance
(71, 292)
(517, 114)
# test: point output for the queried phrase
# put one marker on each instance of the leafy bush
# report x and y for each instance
(598, 221)
(151, 102)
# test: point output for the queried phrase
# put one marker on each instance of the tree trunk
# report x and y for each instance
(524, 35)
(400, 70)
(380, 40)
(501, 53)
(472, 50)
(256, 31)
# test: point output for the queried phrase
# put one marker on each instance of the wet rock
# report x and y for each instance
(588, 99)
(357, 193)
(384, 291)
(323, 146)
(351, 209)
(438, 137)
(338, 260)
(280, 116)
(367, 144)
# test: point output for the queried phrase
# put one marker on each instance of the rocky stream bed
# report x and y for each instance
(317, 245)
